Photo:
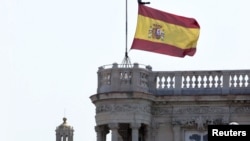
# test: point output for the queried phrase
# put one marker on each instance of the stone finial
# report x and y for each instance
(136, 65)
(101, 68)
(149, 68)
(64, 120)
(115, 65)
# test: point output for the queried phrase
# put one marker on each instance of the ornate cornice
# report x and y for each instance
(123, 108)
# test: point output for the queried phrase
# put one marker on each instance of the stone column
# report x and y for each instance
(177, 132)
(147, 133)
(154, 130)
(64, 137)
(98, 133)
(135, 131)
(70, 138)
(58, 137)
(114, 128)
(105, 132)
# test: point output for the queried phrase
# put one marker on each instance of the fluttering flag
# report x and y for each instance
(161, 32)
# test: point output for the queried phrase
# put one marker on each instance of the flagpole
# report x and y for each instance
(126, 30)
(126, 61)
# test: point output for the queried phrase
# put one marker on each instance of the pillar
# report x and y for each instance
(177, 132)
(154, 130)
(98, 133)
(104, 134)
(147, 133)
(114, 131)
(135, 131)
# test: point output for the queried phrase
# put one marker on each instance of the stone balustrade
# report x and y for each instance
(141, 78)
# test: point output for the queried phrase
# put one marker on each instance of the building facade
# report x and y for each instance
(138, 104)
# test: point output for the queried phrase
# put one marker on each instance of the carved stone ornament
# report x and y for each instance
(162, 110)
(200, 110)
(199, 122)
(123, 108)
(241, 109)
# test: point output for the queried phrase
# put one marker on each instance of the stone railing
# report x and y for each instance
(136, 78)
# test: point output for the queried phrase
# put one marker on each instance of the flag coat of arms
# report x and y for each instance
(165, 33)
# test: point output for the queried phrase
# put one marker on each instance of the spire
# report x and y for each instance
(64, 132)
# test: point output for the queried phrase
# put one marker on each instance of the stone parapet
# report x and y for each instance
(116, 78)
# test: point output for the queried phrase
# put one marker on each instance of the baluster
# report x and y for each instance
(202, 76)
(248, 81)
(232, 81)
(171, 81)
(216, 78)
(208, 81)
(165, 82)
(237, 80)
(160, 82)
(196, 82)
(184, 81)
(219, 81)
(213, 81)
(190, 82)
(243, 81)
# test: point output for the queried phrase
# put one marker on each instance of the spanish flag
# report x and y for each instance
(165, 33)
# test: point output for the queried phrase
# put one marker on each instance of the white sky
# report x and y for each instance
(50, 51)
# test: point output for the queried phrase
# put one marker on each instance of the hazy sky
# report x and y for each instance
(50, 51)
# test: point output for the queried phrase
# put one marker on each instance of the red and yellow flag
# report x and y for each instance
(165, 33)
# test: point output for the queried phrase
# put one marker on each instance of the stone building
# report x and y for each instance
(64, 132)
(138, 104)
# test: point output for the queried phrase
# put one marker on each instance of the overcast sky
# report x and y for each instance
(50, 51)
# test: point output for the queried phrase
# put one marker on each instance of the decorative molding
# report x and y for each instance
(162, 110)
(199, 122)
(200, 110)
(240, 110)
(190, 110)
(123, 108)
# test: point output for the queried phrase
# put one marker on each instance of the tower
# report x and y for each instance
(64, 132)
